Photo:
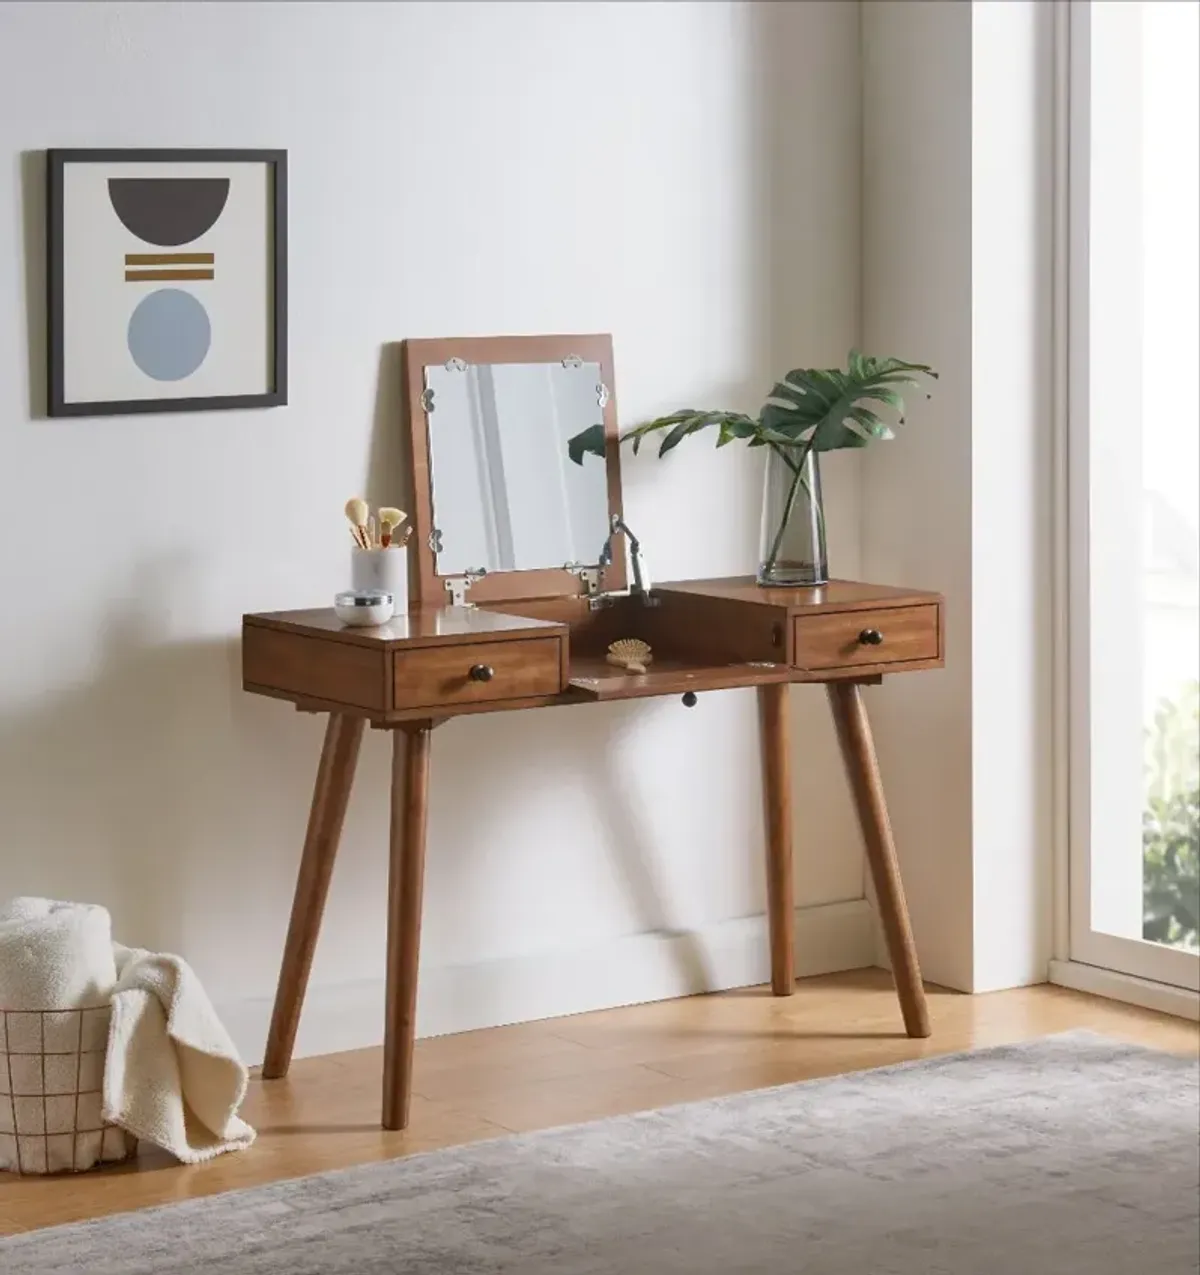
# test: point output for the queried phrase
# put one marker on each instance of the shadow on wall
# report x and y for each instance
(33, 215)
(807, 146)
(577, 767)
(155, 786)
(389, 480)
(469, 757)
(149, 786)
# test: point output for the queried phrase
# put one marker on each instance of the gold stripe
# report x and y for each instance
(169, 258)
(141, 276)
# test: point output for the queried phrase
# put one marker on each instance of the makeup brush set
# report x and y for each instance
(378, 564)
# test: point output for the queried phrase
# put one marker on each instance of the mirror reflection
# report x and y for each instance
(507, 495)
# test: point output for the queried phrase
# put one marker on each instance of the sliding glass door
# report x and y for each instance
(1134, 487)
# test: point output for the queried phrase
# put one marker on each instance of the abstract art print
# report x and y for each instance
(167, 280)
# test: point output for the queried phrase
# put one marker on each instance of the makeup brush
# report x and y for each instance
(389, 519)
(358, 512)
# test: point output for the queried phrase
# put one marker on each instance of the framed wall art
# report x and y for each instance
(167, 280)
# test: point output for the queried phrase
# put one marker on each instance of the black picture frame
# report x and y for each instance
(56, 161)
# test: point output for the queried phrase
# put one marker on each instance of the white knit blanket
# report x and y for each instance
(155, 1061)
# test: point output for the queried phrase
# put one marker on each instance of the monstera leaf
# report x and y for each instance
(679, 425)
(827, 409)
(589, 441)
(811, 409)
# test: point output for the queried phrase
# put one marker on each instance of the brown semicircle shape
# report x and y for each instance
(168, 211)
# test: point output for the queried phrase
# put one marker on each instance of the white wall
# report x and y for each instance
(455, 168)
(1012, 432)
(917, 491)
(956, 272)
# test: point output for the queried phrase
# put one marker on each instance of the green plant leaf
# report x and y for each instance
(818, 409)
(588, 442)
(690, 426)
(826, 405)
(1171, 823)
(785, 438)
(869, 422)
(661, 422)
(689, 421)
(734, 427)
(810, 390)
(881, 394)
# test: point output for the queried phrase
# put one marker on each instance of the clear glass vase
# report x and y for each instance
(793, 520)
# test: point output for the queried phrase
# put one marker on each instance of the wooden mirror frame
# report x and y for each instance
(426, 586)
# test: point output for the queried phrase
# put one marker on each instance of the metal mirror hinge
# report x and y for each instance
(588, 576)
(457, 586)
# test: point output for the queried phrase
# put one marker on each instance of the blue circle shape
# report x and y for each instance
(169, 334)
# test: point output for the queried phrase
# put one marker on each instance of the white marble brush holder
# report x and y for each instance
(385, 569)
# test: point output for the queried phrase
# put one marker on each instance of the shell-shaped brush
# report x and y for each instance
(631, 654)
(357, 511)
(389, 520)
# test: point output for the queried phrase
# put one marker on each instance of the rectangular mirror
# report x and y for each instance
(506, 495)
(498, 496)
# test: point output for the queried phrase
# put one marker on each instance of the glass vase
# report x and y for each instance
(793, 520)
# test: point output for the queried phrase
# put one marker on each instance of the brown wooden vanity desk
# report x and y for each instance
(536, 636)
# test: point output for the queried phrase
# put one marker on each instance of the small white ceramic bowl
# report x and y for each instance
(363, 608)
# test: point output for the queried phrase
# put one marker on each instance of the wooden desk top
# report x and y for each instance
(422, 626)
(837, 595)
(427, 626)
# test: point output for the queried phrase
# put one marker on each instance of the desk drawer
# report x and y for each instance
(437, 675)
(850, 639)
(313, 668)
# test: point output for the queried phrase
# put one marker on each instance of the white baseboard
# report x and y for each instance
(628, 971)
(1124, 987)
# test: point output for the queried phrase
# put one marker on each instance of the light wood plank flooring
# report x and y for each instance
(487, 1083)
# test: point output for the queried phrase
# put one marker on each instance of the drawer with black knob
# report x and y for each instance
(856, 639)
(433, 676)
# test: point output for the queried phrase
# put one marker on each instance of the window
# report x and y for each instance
(1134, 475)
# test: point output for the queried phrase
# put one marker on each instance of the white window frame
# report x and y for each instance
(1083, 469)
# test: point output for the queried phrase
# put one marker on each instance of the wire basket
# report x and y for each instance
(51, 1081)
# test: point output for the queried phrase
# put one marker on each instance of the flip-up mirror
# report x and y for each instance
(503, 505)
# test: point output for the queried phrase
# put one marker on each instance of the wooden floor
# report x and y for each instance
(488, 1083)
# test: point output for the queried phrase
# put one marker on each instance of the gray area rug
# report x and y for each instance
(1071, 1155)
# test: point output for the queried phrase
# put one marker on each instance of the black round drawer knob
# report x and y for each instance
(689, 699)
(870, 637)
(481, 673)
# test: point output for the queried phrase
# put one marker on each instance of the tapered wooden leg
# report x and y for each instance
(862, 767)
(410, 808)
(777, 794)
(331, 793)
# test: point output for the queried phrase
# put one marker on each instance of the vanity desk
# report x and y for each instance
(493, 625)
